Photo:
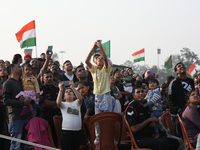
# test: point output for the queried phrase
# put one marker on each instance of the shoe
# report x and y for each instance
(96, 141)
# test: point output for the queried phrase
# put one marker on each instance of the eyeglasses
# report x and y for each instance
(140, 92)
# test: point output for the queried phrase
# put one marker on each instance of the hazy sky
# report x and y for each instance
(74, 25)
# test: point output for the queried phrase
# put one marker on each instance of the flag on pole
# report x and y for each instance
(106, 48)
(139, 56)
(192, 70)
(168, 62)
(27, 36)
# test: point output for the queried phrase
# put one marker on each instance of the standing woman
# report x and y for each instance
(191, 118)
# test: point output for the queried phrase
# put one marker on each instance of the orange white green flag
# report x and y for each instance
(139, 56)
(192, 70)
(27, 35)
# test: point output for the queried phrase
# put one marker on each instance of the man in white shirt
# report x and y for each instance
(68, 75)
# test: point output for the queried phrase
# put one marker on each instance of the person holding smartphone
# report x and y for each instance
(101, 76)
(71, 114)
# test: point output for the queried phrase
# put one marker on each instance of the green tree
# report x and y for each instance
(187, 57)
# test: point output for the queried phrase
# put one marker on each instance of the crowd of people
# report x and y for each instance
(40, 89)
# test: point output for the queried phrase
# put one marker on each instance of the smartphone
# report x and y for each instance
(66, 83)
(50, 49)
(97, 51)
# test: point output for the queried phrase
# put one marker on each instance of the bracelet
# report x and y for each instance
(61, 90)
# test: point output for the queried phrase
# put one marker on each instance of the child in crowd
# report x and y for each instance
(70, 109)
(31, 90)
(101, 73)
(127, 82)
(116, 94)
(27, 59)
(153, 99)
(88, 97)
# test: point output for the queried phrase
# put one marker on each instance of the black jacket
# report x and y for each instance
(64, 78)
(176, 94)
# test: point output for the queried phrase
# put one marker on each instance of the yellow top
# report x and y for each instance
(30, 83)
(101, 79)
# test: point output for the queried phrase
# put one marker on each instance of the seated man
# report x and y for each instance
(143, 126)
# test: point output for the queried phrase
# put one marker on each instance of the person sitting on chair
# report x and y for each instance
(142, 125)
(191, 118)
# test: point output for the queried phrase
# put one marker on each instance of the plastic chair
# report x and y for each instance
(185, 135)
(167, 122)
(133, 142)
(107, 122)
(57, 120)
(125, 137)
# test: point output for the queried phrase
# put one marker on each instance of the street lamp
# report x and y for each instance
(158, 52)
(62, 55)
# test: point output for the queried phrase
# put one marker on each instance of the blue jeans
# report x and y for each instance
(16, 129)
(35, 109)
(157, 114)
(98, 100)
(177, 127)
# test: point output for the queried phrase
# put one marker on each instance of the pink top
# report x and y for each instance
(38, 132)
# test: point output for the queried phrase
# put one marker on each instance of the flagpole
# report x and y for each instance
(144, 58)
(35, 41)
(36, 50)
(172, 67)
(158, 52)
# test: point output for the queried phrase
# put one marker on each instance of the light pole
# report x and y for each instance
(62, 55)
(158, 52)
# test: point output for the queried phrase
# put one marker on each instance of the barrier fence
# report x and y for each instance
(27, 142)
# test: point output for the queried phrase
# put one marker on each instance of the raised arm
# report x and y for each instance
(87, 61)
(59, 97)
(46, 63)
(103, 53)
(77, 94)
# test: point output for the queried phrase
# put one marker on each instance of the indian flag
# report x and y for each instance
(27, 36)
(192, 71)
(139, 56)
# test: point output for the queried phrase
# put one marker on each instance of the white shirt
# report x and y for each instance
(71, 116)
(69, 77)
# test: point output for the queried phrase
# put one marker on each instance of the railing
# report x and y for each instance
(26, 142)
